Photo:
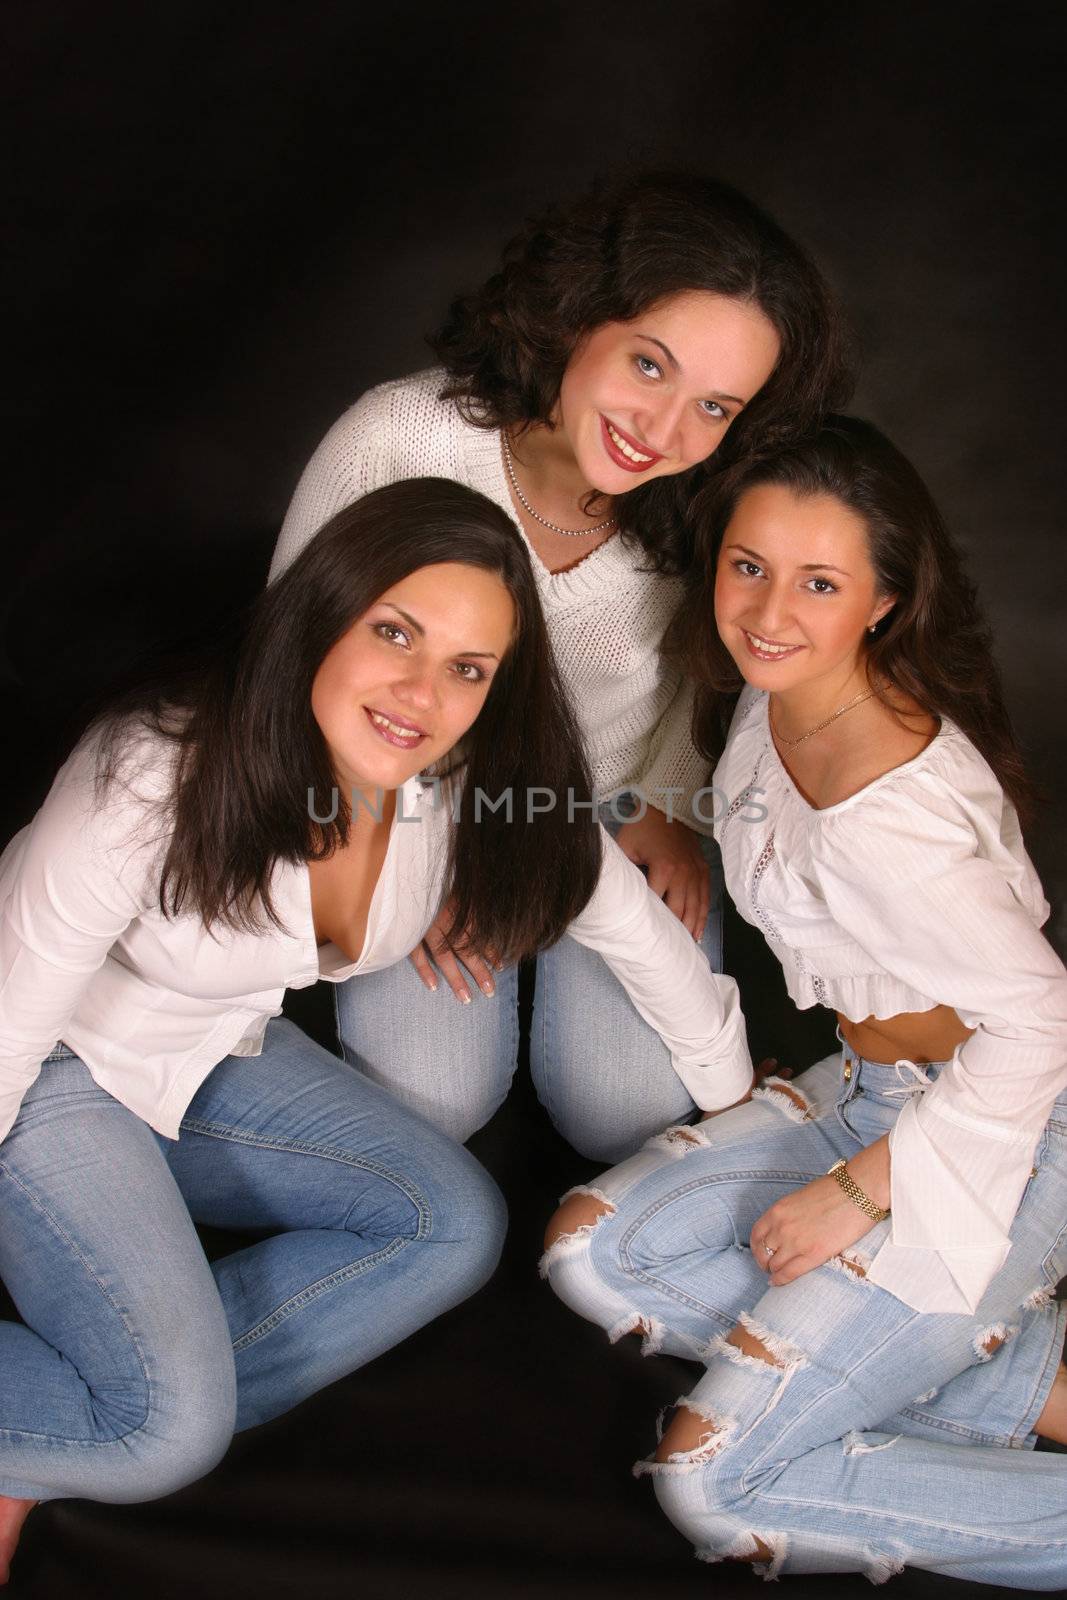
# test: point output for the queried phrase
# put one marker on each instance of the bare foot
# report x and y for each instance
(1052, 1423)
(13, 1514)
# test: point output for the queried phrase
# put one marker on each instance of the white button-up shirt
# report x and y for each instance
(151, 1003)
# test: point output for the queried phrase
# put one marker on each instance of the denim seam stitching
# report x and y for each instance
(660, 1285)
(218, 1130)
(978, 1435)
(337, 1024)
(909, 1519)
(312, 1291)
(1048, 1270)
(49, 1439)
(548, 1076)
(759, 1464)
(869, 1354)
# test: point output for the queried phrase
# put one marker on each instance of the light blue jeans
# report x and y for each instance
(138, 1360)
(881, 1436)
(603, 1075)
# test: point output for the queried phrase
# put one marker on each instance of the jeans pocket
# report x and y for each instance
(1054, 1265)
(867, 1117)
(1050, 1169)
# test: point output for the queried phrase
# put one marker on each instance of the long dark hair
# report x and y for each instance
(933, 646)
(607, 257)
(248, 749)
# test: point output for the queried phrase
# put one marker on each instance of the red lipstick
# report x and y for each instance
(617, 455)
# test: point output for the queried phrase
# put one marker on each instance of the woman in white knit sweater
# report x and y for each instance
(867, 1257)
(628, 342)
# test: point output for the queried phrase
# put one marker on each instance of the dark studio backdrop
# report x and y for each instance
(228, 222)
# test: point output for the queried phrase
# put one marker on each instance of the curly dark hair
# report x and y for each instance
(933, 645)
(607, 257)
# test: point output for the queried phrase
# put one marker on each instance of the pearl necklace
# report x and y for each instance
(570, 533)
(791, 744)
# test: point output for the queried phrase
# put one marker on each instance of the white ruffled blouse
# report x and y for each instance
(913, 893)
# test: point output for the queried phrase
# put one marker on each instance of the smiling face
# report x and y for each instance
(409, 677)
(655, 396)
(795, 591)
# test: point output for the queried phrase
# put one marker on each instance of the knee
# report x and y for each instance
(599, 1144)
(575, 1220)
(699, 1474)
(722, 1525)
(194, 1444)
(487, 1227)
(708, 1433)
(462, 1117)
(611, 1143)
(469, 1215)
(573, 1274)
(187, 1426)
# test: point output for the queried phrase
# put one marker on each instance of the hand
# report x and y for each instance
(677, 871)
(447, 947)
(805, 1228)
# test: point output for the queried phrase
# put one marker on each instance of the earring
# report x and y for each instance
(872, 627)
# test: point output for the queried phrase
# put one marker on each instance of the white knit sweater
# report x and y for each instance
(606, 619)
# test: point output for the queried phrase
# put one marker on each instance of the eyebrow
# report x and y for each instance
(713, 394)
(808, 566)
(416, 627)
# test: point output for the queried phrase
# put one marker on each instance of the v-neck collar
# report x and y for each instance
(411, 797)
(601, 572)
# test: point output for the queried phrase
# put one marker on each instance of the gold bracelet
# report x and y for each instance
(856, 1194)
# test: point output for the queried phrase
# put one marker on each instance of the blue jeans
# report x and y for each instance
(138, 1360)
(603, 1075)
(879, 1436)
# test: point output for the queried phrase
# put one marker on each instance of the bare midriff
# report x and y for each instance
(918, 1036)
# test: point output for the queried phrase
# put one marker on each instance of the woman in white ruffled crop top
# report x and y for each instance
(630, 341)
(866, 1257)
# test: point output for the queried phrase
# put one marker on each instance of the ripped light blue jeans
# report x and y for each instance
(603, 1075)
(878, 1436)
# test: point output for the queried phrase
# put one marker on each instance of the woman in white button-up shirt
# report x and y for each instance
(866, 1257)
(198, 855)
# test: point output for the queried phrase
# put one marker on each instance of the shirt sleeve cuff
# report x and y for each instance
(721, 1082)
(953, 1197)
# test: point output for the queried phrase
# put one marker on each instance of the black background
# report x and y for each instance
(226, 223)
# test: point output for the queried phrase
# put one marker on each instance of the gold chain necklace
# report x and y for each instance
(791, 744)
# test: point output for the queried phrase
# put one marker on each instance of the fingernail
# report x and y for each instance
(464, 996)
(433, 986)
(488, 986)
